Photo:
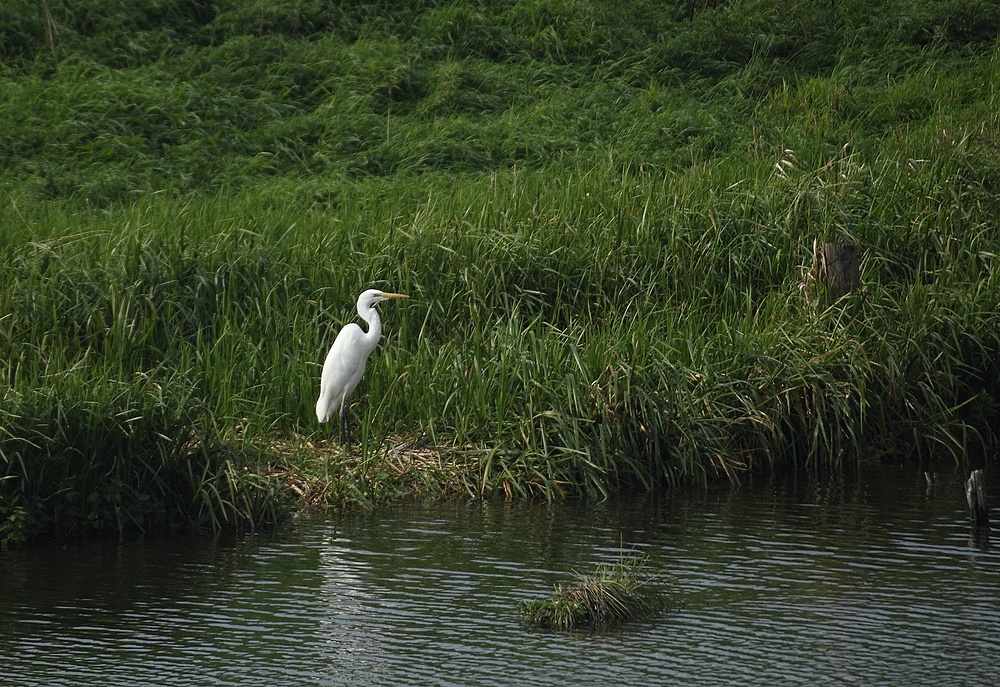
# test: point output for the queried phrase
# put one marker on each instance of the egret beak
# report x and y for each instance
(394, 295)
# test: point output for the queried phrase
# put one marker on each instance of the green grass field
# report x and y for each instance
(606, 217)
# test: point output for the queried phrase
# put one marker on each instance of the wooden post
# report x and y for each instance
(975, 494)
(841, 272)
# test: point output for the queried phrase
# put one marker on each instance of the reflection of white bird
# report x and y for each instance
(345, 363)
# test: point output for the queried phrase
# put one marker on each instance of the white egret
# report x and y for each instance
(345, 363)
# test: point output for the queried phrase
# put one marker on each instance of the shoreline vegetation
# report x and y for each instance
(606, 219)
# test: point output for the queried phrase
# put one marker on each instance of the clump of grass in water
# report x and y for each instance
(612, 595)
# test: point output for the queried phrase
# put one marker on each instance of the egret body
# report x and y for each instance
(345, 363)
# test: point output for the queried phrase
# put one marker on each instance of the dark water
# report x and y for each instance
(868, 581)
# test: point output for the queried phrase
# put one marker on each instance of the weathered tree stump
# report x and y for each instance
(841, 271)
(975, 494)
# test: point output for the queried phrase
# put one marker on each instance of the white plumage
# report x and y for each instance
(345, 363)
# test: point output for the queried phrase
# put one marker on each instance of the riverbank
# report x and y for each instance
(607, 232)
(559, 360)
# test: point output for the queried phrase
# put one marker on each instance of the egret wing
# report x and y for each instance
(343, 368)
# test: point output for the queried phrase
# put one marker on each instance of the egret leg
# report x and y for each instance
(345, 425)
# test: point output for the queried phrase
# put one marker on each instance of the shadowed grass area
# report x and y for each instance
(611, 595)
(606, 222)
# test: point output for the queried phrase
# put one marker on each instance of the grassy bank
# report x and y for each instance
(606, 223)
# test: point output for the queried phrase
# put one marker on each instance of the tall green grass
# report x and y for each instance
(606, 221)
(571, 333)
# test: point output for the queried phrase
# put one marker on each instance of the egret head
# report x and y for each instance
(372, 296)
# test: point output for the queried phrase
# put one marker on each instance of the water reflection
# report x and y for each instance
(979, 538)
(869, 580)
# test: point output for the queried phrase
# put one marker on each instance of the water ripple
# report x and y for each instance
(873, 589)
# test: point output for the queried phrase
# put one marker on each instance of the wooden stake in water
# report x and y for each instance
(975, 494)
